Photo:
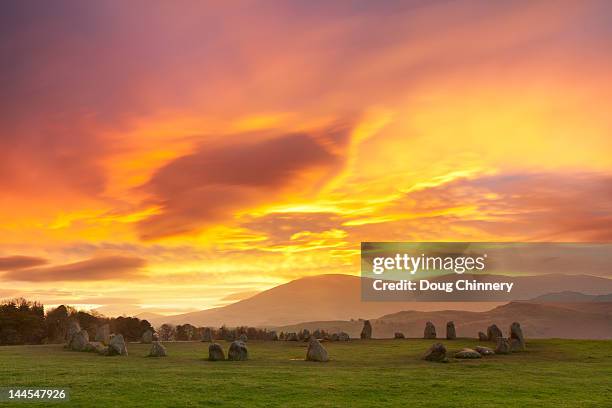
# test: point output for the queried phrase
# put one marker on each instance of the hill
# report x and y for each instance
(338, 298)
(555, 320)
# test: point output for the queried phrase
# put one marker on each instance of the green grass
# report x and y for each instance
(552, 373)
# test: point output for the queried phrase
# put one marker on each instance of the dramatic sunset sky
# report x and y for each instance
(174, 156)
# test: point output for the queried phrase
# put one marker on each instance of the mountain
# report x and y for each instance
(571, 297)
(150, 317)
(324, 297)
(338, 298)
(555, 320)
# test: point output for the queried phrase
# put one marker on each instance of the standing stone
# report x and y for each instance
(343, 336)
(335, 337)
(291, 337)
(366, 332)
(451, 334)
(305, 335)
(503, 346)
(517, 341)
(103, 333)
(117, 346)
(215, 352)
(147, 337)
(157, 350)
(273, 336)
(484, 351)
(437, 352)
(399, 335)
(316, 352)
(468, 353)
(493, 333)
(73, 328)
(243, 338)
(207, 335)
(430, 331)
(238, 351)
(482, 336)
(95, 347)
(79, 341)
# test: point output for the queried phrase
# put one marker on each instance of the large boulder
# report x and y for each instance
(517, 341)
(437, 352)
(117, 346)
(503, 346)
(238, 351)
(95, 347)
(451, 334)
(366, 332)
(316, 352)
(147, 337)
(215, 352)
(342, 336)
(157, 350)
(484, 351)
(207, 335)
(468, 353)
(430, 331)
(493, 333)
(399, 335)
(73, 328)
(103, 333)
(79, 341)
(482, 336)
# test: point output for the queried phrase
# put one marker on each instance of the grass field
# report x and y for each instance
(552, 373)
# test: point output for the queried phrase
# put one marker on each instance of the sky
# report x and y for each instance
(175, 156)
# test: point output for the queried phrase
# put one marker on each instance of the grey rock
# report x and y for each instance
(484, 351)
(503, 346)
(103, 333)
(437, 352)
(215, 352)
(73, 328)
(399, 335)
(157, 350)
(243, 338)
(430, 331)
(366, 332)
(316, 352)
(482, 337)
(117, 346)
(493, 333)
(238, 351)
(451, 334)
(79, 341)
(517, 341)
(468, 353)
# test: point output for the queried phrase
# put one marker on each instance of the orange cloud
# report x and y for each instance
(215, 182)
(102, 268)
(8, 263)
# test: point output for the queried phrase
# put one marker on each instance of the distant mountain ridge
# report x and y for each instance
(338, 298)
(538, 320)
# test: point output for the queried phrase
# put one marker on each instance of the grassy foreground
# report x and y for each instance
(552, 373)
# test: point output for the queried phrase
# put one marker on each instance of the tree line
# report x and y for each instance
(25, 322)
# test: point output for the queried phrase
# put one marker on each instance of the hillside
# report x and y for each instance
(575, 321)
(338, 298)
